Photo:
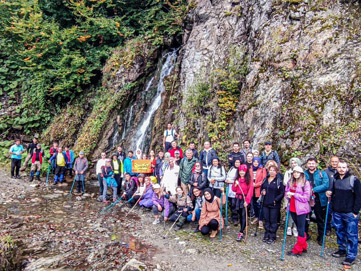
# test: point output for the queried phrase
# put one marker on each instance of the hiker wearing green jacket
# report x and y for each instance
(185, 170)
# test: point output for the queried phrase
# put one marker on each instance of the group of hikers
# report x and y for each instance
(185, 187)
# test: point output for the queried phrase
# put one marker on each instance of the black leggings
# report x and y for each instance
(271, 216)
(242, 218)
(212, 226)
(300, 221)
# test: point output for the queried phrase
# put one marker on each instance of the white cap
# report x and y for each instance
(298, 169)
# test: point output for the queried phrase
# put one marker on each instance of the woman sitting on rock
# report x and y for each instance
(197, 200)
(130, 186)
(209, 221)
(147, 201)
(184, 206)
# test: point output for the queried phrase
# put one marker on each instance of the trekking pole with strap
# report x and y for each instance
(220, 219)
(47, 176)
(135, 204)
(172, 226)
(108, 208)
(72, 186)
(260, 212)
(244, 200)
(325, 227)
(226, 221)
(285, 234)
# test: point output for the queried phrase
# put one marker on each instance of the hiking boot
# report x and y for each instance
(289, 231)
(18, 177)
(240, 237)
(254, 221)
(55, 183)
(348, 262)
(339, 253)
(271, 241)
(38, 178)
(265, 239)
(328, 232)
(177, 228)
(31, 178)
(213, 234)
(290, 253)
(260, 225)
(156, 221)
(295, 232)
(196, 229)
(13, 177)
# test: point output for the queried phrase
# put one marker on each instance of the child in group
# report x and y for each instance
(184, 206)
(108, 180)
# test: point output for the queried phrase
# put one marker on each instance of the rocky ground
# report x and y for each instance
(55, 232)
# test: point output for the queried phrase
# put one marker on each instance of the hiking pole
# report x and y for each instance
(220, 219)
(71, 190)
(136, 203)
(47, 176)
(285, 234)
(244, 200)
(172, 226)
(226, 222)
(325, 227)
(260, 212)
(107, 209)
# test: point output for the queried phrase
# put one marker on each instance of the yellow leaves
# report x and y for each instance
(83, 38)
(117, 24)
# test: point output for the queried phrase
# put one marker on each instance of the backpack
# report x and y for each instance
(171, 132)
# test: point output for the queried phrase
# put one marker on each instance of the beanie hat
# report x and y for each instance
(243, 168)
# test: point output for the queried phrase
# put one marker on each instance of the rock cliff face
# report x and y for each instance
(282, 70)
(302, 86)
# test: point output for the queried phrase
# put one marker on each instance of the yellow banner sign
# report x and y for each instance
(141, 166)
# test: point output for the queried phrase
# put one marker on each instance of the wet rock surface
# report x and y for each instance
(66, 234)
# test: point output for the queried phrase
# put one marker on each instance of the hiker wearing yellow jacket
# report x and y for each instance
(61, 160)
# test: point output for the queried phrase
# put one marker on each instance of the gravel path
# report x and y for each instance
(55, 233)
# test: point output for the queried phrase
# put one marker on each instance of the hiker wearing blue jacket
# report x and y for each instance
(127, 167)
(109, 181)
(69, 164)
(319, 183)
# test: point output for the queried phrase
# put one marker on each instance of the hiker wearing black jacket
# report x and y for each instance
(236, 155)
(345, 193)
(269, 154)
(30, 149)
(273, 192)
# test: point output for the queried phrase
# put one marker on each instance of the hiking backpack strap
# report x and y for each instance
(352, 182)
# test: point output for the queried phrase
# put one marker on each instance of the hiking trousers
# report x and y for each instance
(15, 166)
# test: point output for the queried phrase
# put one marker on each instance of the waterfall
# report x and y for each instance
(165, 71)
(127, 121)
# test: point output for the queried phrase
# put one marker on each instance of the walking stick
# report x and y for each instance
(260, 212)
(109, 207)
(325, 227)
(47, 176)
(285, 234)
(71, 190)
(226, 222)
(244, 199)
(220, 219)
(172, 226)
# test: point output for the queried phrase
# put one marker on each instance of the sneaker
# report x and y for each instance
(13, 177)
(339, 253)
(239, 237)
(196, 230)
(295, 232)
(156, 221)
(254, 221)
(265, 239)
(271, 241)
(213, 234)
(18, 177)
(290, 253)
(260, 225)
(289, 231)
(348, 262)
(55, 183)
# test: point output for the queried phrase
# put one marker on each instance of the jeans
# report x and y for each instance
(198, 215)
(257, 209)
(156, 211)
(168, 145)
(300, 221)
(347, 233)
(15, 166)
(100, 181)
(69, 166)
(119, 182)
(212, 226)
(271, 221)
(105, 187)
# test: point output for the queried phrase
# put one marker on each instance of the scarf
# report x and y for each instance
(210, 191)
(259, 163)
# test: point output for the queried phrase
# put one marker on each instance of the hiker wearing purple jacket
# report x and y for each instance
(160, 204)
